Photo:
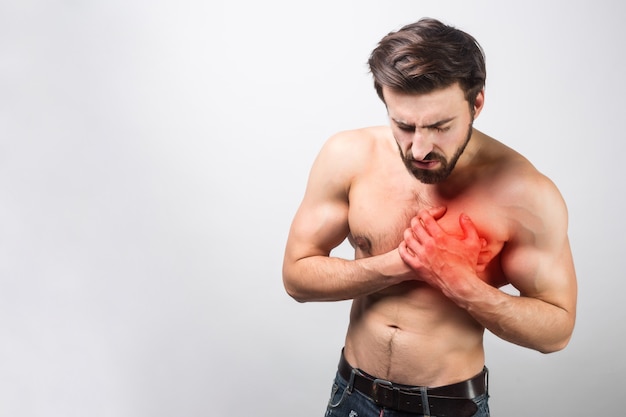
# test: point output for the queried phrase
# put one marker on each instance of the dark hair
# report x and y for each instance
(428, 55)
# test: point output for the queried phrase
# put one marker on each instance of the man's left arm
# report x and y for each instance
(536, 260)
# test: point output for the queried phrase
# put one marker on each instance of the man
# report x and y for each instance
(436, 232)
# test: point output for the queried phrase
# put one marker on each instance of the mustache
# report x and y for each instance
(431, 156)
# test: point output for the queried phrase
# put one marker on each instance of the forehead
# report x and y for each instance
(426, 108)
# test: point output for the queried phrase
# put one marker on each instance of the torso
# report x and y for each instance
(411, 333)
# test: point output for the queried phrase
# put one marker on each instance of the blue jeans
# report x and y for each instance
(346, 402)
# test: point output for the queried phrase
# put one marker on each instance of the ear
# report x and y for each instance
(479, 102)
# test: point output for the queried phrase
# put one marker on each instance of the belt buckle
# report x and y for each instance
(376, 394)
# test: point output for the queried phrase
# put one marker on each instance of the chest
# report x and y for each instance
(381, 209)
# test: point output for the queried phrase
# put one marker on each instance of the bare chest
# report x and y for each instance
(379, 214)
(381, 209)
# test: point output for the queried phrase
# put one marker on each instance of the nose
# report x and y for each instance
(421, 146)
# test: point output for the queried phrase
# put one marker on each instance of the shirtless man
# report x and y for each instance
(441, 216)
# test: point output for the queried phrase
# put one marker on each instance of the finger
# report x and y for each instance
(419, 234)
(436, 212)
(410, 238)
(405, 251)
(417, 227)
(484, 257)
(429, 223)
(469, 229)
(406, 254)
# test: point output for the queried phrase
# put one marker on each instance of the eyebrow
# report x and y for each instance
(428, 126)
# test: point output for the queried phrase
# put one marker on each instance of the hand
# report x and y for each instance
(440, 259)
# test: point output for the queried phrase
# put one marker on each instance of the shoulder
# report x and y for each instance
(342, 158)
(530, 201)
(347, 152)
(356, 142)
(517, 182)
(536, 258)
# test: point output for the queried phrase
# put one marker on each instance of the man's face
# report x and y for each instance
(431, 130)
(445, 166)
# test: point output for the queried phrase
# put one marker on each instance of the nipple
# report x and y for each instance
(363, 243)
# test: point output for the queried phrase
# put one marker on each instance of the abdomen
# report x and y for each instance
(412, 334)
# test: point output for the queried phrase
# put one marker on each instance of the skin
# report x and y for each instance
(430, 258)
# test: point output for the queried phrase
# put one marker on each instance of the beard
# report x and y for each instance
(434, 176)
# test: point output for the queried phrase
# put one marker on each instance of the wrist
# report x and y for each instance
(389, 267)
(464, 289)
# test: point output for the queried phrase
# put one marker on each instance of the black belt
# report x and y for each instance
(449, 400)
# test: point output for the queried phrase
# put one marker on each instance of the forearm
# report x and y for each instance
(323, 278)
(525, 321)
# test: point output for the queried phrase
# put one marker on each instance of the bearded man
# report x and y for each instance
(441, 216)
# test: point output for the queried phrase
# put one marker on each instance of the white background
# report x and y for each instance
(153, 153)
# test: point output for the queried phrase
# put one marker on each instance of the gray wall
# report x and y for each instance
(153, 153)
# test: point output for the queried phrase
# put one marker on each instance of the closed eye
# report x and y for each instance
(439, 127)
(405, 128)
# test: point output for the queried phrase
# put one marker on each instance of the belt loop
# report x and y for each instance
(425, 404)
(487, 381)
(351, 381)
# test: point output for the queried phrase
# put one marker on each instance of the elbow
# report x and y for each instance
(293, 289)
(301, 300)
(293, 292)
(554, 347)
(558, 344)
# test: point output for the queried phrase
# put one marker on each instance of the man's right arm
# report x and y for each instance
(321, 224)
